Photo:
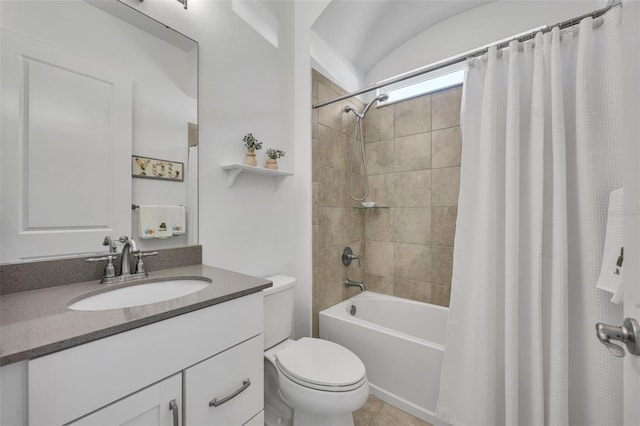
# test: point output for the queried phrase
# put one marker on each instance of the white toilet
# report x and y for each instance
(308, 382)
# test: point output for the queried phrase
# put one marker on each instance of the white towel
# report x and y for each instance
(161, 221)
(610, 279)
(177, 219)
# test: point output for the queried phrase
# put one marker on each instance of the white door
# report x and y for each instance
(157, 405)
(66, 151)
(631, 368)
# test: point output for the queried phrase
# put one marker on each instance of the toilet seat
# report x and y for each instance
(321, 365)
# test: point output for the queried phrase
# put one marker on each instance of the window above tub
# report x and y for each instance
(441, 79)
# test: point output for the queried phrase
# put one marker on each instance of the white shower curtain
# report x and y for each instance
(542, 149)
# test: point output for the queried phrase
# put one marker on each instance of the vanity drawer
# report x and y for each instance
(226, 389)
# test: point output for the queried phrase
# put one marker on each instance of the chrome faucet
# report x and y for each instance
(129, 247)
(360, 284)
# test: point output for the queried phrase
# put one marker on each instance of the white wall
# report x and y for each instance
(245, 85)
(475, 28)
(333, 65)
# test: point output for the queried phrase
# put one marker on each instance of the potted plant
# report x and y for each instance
(252, 145)
(272, 161)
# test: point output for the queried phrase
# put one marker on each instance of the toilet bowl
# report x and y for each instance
(321, 382)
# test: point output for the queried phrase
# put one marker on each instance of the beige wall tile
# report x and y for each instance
(342, 153)
(333, 187)
(412, 262)
(445, 186)
(379, 259)
(378, 124)
(327, 141)
(412, 116)
(331, 226)
(413, 152)
(441, 264)
(443, 225)
(329, 115)
(381, 190)
(378, 225)
(330, 296)
(412, 225)
(315, 189)
(413, 290)
(355, 224)
(314, 244)
(380, 157)
(412, 189)
(379, 284)
(331, 271)
(446, 147)
(446, 108)
(441, 294)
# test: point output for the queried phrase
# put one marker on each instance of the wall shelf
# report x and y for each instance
(234, 170)
(370, 208)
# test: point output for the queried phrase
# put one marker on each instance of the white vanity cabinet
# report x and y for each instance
(212, 350)
(157, 405)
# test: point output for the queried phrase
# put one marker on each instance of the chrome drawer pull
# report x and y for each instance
(173, 406)
(245, 384)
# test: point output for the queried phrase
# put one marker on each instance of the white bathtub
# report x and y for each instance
(401, 343)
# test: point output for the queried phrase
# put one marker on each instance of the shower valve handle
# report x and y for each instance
(348, 257)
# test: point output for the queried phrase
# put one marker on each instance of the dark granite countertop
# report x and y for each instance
(38, 322)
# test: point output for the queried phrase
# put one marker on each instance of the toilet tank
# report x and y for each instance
(278, 310)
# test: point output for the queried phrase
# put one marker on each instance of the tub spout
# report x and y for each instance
(348, 283)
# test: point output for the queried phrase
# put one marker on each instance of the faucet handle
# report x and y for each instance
(123, 239)
(110, 269)
(140, 264)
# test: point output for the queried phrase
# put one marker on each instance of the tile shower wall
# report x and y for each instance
(413, 156)
(336, 224)
(413, 153)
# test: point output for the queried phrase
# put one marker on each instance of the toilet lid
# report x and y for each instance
(321, 364)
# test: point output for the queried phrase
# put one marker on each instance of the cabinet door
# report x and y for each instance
(226, 389)
(157, 405)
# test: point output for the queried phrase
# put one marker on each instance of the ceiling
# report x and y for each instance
(365, 31)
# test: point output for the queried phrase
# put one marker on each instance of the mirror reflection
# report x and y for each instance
(99, 129)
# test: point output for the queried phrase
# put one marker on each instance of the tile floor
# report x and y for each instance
(376, 412)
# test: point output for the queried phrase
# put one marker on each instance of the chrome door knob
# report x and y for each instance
(628, 333)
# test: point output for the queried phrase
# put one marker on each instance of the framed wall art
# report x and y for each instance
(154, 168)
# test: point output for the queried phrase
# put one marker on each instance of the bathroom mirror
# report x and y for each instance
(86, 86)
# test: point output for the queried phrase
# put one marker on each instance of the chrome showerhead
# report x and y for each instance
(380, 98)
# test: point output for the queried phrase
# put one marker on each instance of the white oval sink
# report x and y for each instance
(140, 294)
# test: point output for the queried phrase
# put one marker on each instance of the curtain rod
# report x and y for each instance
(464, 56)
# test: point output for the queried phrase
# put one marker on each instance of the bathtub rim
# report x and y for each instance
(337, 312)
